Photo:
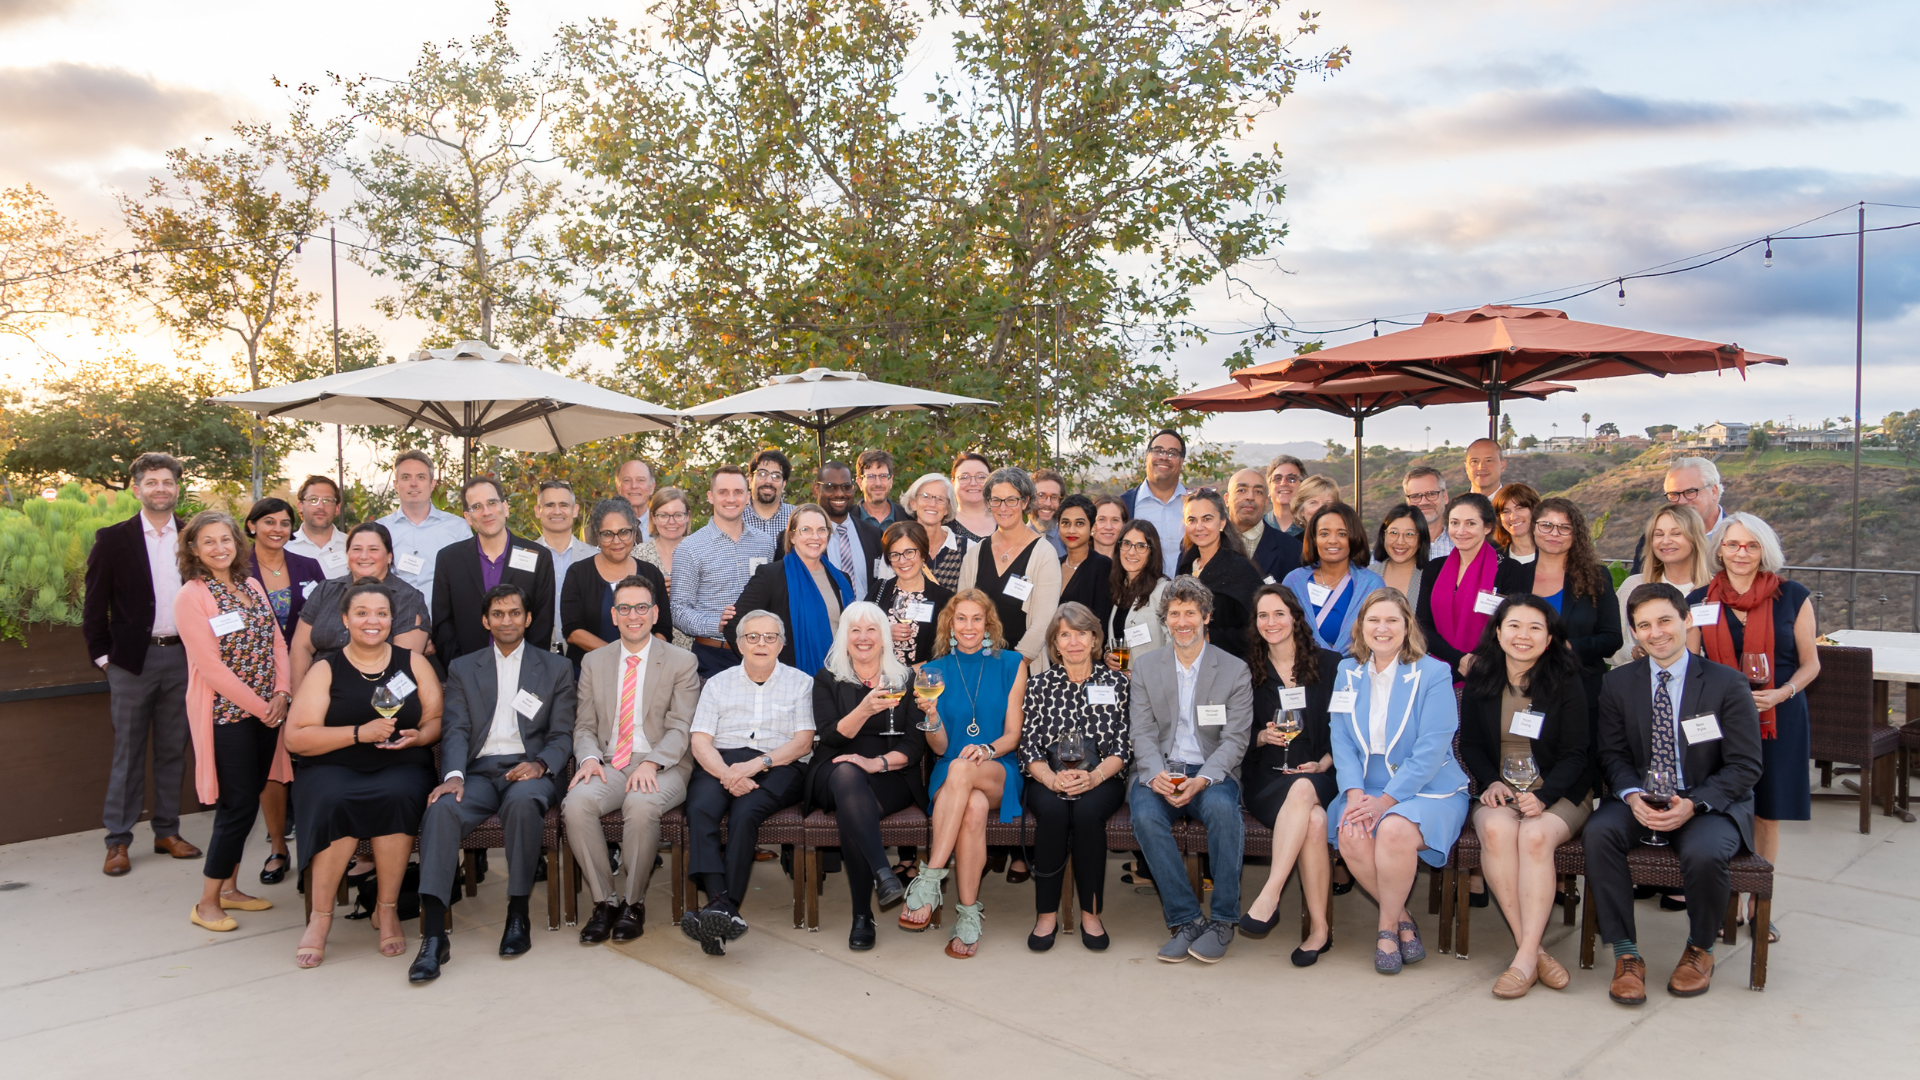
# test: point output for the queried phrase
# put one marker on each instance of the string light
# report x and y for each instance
(1623, 291)
(296, 243)
(1769, 261)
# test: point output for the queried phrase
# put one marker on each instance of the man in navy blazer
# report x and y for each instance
(1275, 552)
(465, 570)
(505, 733)
(1690, 716)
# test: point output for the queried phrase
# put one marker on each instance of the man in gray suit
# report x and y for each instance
(507, 728)
(1192, 713)
(631, 734)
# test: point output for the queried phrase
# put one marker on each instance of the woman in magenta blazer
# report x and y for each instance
(237, 698)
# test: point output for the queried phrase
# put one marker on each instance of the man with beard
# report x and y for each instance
(767, 514)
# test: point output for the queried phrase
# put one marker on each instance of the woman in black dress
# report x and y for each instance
(1086, 576)
(1288, 784)
(361, 775)
(586, 596)
(911, 597)
(1021, 574)
(1569, 578)
(1213, 552)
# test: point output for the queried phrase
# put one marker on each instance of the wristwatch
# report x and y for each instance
(766, 760)
(1701, 808)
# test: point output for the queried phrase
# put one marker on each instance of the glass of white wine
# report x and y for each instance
(387, 704)
(1286, 724)
(927, 686)
(1520, 773)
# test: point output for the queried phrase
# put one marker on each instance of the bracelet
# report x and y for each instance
(356, 734)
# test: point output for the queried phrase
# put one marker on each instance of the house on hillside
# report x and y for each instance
(1839, 438)
(1720, 435)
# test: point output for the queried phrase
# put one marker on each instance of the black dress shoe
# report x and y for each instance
(1097, 942)
(1259, 928)
(518, 936)
(1304, 957)
(600, 923)
(862, 936)
(1479, 899)
(274, 871)
(631, 923)
(1043, 942)
(888, 888)
(434, 951)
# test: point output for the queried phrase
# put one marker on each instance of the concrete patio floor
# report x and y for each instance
(103, 977)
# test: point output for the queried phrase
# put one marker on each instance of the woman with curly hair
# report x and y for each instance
(1574, 583)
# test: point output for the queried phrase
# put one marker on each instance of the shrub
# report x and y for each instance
(43, 555)
(1561, 480)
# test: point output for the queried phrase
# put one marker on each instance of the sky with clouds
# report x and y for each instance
(1479, 152)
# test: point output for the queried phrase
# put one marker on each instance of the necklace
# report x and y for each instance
(973, 694)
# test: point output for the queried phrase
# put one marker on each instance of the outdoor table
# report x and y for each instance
(1896, 659)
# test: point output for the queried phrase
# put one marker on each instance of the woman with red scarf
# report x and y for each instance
(1457, 597)
(1761, 625)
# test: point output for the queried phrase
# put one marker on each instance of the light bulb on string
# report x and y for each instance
(1623, 292)
(1769, 261)
(1376, 328)
(296, 243)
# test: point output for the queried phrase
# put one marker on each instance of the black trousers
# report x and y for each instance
(1078, 826)
(708, 802)
(242, 755)
(859, 800)
(522, 806)
(714, 661)
(1704, 846)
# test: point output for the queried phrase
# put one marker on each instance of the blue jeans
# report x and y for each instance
(1218, 808)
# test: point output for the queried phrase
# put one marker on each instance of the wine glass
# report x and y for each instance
(1072, 752)
(891, 691)
(1758, 667)
(387, 703)
(1657, 791)
(927, 686)
(1520, 773)
(1286, 724)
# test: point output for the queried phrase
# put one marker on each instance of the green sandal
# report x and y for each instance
(966, 928)
(923, 895)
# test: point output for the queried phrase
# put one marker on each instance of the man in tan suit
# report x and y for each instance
(636, 702)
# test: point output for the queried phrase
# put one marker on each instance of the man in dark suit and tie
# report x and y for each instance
(507, 730)
(1274, 551)
(464, 571)
(1694, 720)
(133, 575)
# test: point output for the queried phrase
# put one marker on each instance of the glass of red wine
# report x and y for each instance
(1657, 792)
(1072, 752)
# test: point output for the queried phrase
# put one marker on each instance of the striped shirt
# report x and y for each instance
(740, 713)
(710, 570)
(772, 527)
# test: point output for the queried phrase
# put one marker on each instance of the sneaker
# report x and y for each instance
(1180, 945)
(736, 926)
(1212, 943)
(709, 927)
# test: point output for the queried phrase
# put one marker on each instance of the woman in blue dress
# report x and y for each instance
(977, 720)
(1332, 577)
(1393, 716)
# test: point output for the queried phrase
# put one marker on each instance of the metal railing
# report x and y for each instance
(1861, 599)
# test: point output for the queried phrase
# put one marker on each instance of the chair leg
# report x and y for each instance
(1730, 933)
(1434, 891)
(1883, 776)
(677, 865)
(1193, 877)
(1757, 973)
(1589, 925)
(799, 879)
(1462, 905)
(1826, 773)
(813, 888)
(1569, 888)
(1866, 797)
(1068, 898)
(1443, 932)
(552, 858)
(469, 873)
(1306, 917)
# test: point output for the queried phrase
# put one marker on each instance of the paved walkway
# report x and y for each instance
(103, 977)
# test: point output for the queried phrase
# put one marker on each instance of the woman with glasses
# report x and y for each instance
(804, 589)
(1459, 594)
(321, 629)
(1109, 517)
(1760, 624)
(1020, 574)
(929, 503)
(970, 515)
(1332, 576)
(1139, 580)
(1571, 580)
(1400, 549)
(669, 519)
(911, 598)
(1676, 545)
(1213, 552)
(586, 596)
(1513, 507)
(1086, 575)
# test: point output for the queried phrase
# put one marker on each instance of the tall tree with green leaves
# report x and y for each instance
(49, 268)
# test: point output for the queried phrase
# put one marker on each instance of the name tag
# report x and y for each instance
(410, 562)
(333, 562)
(1706, 614)
(881, 571)
(1293, 697)
(1343, 701)
(1268, 579)
(401, 684)
(1486, 603)
(755, 562)
(1102, 695)
(526, 704)
(1139, 634)
(306, 590)
(523, 558)
(1019, 587)
(1318, 593)
(920, 612)
(1702, 728)
(1211, 715)
(226, 623)
(1527, 724)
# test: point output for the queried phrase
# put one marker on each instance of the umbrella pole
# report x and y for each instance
(820, 438)
(1359, 457)
(1493, 404)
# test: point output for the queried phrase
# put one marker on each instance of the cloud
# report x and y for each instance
(75, 111)
(20, 11)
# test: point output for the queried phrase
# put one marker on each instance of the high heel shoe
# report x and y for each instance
(396, 945)
(1305, 957)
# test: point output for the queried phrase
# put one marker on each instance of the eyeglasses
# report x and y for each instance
(768, 474)
(874, 477)
(1007, 503)
(824, 486)
(1285, 479)
(1136, 545)
(615, 534)
(771, 637)
(906, 555)
(1751, 547)
(1553, 528)
(1426, 496)
(490, 504)
(1684, 495)
(314, 500)
(811, 531)
(681, 516)
(1166, 452)
(624, 610)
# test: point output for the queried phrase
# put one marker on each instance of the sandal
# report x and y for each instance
(392, 946)
(906, 868)
(966, 930)
(923, 895)
(318, 952)
(274, 875)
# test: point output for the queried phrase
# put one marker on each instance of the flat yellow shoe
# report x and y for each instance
(220, 927)
(252, 904)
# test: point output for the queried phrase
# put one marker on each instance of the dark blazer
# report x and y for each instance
(1233, 581)
(1092, 585)
(767, 591)
(473, 691)
(1315, 740)
(582, 602)
(1562, 753)
(1720, 772)
(832, 701)
(1277, 556)
(116, 616)
(301, 571)
(458, 596)
(1592, 629)
(865, 531)
(937, 594)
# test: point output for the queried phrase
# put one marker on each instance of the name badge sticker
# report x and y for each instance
(1019, 587)
(410, 562)
(333, 562)
(1486, 602)
(920, 612)
(755, 562)
(1343, 701)
(1102, 695)
(1702, 728)
(1268, 579)
(1293, 697)
(227, 623)
(1139, 634)
(306, 590)
(1527, 724)
(523, 558)
(1211, 715)
(1705, 614)
(1318, 593)
(526, 704)
(401, 684)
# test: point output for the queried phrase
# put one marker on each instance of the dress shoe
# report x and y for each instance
(1552, 975)
(1043, 942)
(175, 846)
(274, 870)
(600, 923)
(117, 863)
(1097, 942)
(1259, 928)
(1629, 986)
(225, 923)
(862, 936)
(1694, 975)
(631, 923)
(517, 938)
(434, 951)
(1305, 957)
(1668, 903)
(1512, 984)
(888, 888)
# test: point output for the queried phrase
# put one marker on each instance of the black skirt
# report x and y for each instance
(1264, 795)
(332, 802)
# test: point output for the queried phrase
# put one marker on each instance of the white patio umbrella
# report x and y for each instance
(471, 391)
(821, 398)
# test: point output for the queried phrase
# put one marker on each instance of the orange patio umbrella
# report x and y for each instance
(1495, 350)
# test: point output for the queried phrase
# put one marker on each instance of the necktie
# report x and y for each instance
(623, 743)
(843, 548)
(1664, 754)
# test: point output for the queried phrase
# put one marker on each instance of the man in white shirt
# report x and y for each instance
(1426, 491)
(1161, 500)
(506, 731)
(419, 528)
(635, 481)
(752, 734)
(558, 512)
(317, 539)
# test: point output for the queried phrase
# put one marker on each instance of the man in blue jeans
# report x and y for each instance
(1192, 713)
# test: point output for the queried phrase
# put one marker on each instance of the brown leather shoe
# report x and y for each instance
(1629, 985)
(1552, 975)
(1694, 976)
(175, 846)
(117, 862)
(1512, 984)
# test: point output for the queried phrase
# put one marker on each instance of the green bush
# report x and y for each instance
(1561, 480)
(43, 555)
(1632, 495)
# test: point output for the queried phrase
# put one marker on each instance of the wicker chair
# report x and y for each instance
(1659, 867)
(908, 828)
(786, 827)
(1848, 728)
(491, 833)
(673, 828)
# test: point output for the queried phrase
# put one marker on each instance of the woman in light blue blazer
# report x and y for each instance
(1332, 577)
(1404, 798)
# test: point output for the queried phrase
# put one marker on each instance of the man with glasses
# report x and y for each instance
(1049, 487)
(877, 507)
(419, 528)
(767, 477)
(1426, 491)
(558, 512)
(1273, 551)
(853, 545)
(463, 573)
(635, 481)
(1161, 500)
(711, 567)
(1691, 481)
(1284, 474)
(317, 539)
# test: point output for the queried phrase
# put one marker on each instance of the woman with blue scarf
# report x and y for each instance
(803, 588)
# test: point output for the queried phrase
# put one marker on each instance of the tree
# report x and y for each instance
(1658, 430)
(1585, 418)
(48, 268)
(1758, 439)
(1608, 430)
(1336, 450)
(1903, 432)
(1528, 442)
(1506, 431)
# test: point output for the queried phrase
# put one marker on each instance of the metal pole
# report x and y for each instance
(1493, 403)
(1859, 351)
(339, 431)
(1359, 455)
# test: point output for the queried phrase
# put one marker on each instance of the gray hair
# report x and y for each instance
(604, 509)
(932, 479)
(1709, 472)
(841, 665)
(1077, 616)
(1772, 558)
(762, 613)
(1015, 478)
(1188, 588)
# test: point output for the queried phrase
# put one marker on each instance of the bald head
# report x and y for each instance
(1484, 466)
(1247, 498)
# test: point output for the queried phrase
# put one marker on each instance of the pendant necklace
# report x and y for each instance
(973, 697)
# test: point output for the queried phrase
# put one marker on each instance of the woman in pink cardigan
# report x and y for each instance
(237, 698)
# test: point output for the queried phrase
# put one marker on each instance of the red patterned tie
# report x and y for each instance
(623, 744)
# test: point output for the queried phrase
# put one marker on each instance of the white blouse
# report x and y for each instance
(1377, 703)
